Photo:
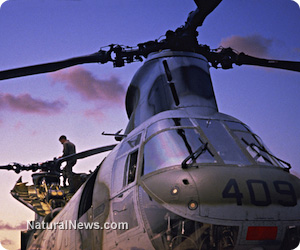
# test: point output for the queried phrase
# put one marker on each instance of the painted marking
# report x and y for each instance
(262, 233)
(287, 196)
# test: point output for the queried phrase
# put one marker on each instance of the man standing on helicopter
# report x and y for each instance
(68, 149)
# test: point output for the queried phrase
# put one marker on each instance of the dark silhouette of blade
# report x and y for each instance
(205, 7)
(85, 154)
(227, 57)
(7, 167)
(54, 165)
(98, 57)
(243, 59)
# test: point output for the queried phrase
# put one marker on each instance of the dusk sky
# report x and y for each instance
(84, 101)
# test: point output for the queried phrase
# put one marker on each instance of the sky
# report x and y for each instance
(86, 100)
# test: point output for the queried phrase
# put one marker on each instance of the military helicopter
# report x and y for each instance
(161, 178)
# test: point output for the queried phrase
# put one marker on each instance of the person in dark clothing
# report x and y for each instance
(68, 149)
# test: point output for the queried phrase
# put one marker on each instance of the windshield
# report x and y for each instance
(223, 142)
(171, 146)
(253, 144)
(170, 141)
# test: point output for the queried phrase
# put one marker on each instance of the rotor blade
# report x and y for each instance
(19, 167)
(250, 60)
(98, 57)
(54, 165)
(7, 167)
(86, 153)
(205, 7)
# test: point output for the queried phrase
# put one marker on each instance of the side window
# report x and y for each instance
(125, 166)
(131, 167)
(130, 144)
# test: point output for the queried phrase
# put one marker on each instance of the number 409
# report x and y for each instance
(288, 196)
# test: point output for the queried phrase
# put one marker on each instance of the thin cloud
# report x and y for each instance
(26, 104)
(7, 226)
(34, 133)
(95, 114)
(88, 87)
(297, 50)
(254, 45)
(6, 242)
(19, 125)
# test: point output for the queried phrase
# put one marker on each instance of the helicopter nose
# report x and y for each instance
(254, 206)
(247, 193)
(175, 189)
(227, 193)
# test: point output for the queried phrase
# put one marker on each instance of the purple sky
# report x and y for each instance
(83, 101)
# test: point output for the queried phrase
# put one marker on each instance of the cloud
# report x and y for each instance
(254, 45)
(297, 50)
(26, 104)
(95, 114)
(88, 87)
(6, 242)
(19, 125)
(34, 133)
(7, 226)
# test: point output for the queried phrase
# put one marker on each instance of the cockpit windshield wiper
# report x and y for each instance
(252, 145)
(194, 155)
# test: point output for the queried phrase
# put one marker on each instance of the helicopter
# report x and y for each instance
(169, 197)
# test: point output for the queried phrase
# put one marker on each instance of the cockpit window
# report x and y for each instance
(236, 126)
(253, 144)
(253, 147)
(171, 147)
(130, 144)
(170, 141)
(223, 142)
(167, 123)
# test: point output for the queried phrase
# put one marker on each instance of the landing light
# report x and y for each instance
(193, 205)
(175, 191)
